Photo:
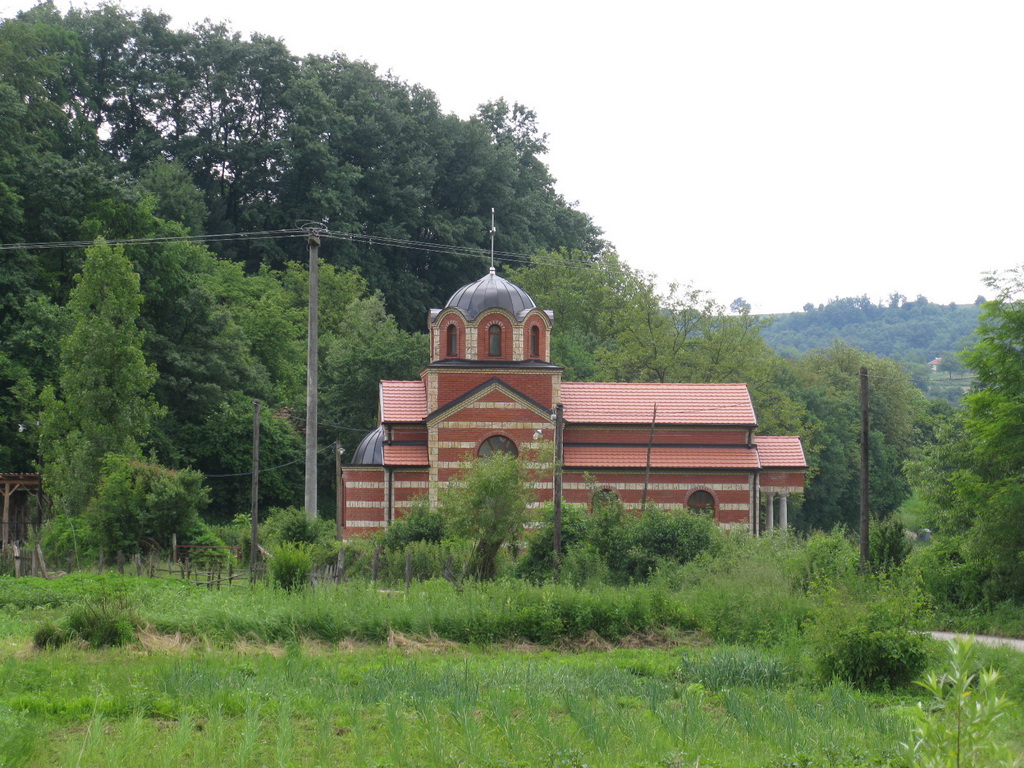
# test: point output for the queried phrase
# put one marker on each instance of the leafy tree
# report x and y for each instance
(489, 503)
(104, 404)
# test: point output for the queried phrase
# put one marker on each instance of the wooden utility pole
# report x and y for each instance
(339, 501)
(254, 545)
(864, 545)
(311, 371)
(650, 443)
(557, 522)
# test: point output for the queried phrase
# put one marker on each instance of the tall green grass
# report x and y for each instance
(384, 708)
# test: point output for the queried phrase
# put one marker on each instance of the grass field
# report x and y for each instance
(267, 678)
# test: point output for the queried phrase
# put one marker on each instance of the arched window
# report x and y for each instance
(453, 340)
(494, 340)
(535, 341)
(497, 444)
(701, 501)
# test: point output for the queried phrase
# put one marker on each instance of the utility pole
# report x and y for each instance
(312, 359)
(864, 545)
(254, 546)
(559, 424)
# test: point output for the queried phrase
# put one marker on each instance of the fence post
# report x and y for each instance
(18, 565)
(408, 570)
(375, 564)
(35, 564)
(100, 563)
(174, 547)
(120, 562)
(42, 562)
(138, 563)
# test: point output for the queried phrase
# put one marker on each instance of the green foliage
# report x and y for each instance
(536, 563)
(888, 544)
(291, 525)
(108, 617)
(825, 560)
(65, 535)
(138, 501)
(488, 504)
(420, 524)
(961, 725)
(876, 641)
(290, 564)
(914, 331)
(972, 477)
(105, 382)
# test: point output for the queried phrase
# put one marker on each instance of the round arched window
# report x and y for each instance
(497, 444)
(701, 501)
(453, 340)
(535, 341)
(494, 340)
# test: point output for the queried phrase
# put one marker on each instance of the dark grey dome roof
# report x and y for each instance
(491, 292)
(370, 449)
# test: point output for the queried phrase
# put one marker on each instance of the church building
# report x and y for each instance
(490, 387)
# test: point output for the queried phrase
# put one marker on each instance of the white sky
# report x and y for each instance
(784, 151)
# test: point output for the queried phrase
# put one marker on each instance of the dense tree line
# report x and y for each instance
(912, 331)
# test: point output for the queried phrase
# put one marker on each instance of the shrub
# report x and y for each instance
(875, 640)
(290, 565)
(945, 574)
(139, 500)
(584, 567)
(825, 559)
(66, 535)
(655, 537)
(200, 534)
(888, 544)
(293, 526)
(536, 564)
(421, 524)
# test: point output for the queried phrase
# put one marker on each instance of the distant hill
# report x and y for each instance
(910, 331)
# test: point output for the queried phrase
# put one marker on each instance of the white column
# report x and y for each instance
(784, 511)
(769, 512)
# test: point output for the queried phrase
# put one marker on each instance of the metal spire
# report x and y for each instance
(493, 230)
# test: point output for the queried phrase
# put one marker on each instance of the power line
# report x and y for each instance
(269, 234)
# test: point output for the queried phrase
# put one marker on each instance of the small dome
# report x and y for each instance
(370, 449)
(491, 292)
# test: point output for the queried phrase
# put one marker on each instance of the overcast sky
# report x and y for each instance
(784, 152)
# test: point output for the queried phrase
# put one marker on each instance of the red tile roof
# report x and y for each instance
(406, 455)
(784, 451)
(403, 401)
(618, 403)
(662, 457)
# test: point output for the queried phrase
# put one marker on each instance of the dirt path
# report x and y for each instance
(1009, 642)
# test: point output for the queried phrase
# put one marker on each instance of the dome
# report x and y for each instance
(491, 292)
(370, 449)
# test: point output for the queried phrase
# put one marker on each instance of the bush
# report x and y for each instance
(825, 559)
(888, 544)
(50, 635)
(66, 535)
(536, 564)
(201, 535)
(875, 640)
(291, 525)
(421, 524)
(657, 537)
(290, 565)
(138, 500)
(946, 576)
